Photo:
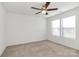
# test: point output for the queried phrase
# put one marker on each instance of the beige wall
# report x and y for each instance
(2, 29)
(24, 29)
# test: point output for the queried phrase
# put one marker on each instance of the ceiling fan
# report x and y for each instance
(44, 9)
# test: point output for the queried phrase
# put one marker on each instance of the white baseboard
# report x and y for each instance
(1, 51)
(24, 42)
(59, 43)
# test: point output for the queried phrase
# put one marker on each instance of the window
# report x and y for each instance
(64, 27)
(68, 27)
(56, 27)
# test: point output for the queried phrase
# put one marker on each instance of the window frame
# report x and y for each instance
(61, 27)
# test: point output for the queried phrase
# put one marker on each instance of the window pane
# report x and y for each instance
(69, 32)
(56, 24)
(56, 27)
(69, 27)
(56, 32)
(69, 22)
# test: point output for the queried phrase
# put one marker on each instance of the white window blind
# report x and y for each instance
(56, 27)
(65, 27)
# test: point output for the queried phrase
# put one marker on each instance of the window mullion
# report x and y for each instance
(61, 28)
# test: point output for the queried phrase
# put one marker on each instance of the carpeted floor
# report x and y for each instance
(39, 49)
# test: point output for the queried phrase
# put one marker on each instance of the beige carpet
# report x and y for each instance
(39, 49)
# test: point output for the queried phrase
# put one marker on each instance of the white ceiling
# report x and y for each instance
(25, 7)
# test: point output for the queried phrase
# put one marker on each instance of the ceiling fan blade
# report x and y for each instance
(52, 9)
(47, 4)
(35, 8)
(38, 12)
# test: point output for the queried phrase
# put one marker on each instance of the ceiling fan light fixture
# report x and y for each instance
(44, 8)
(43, 12)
